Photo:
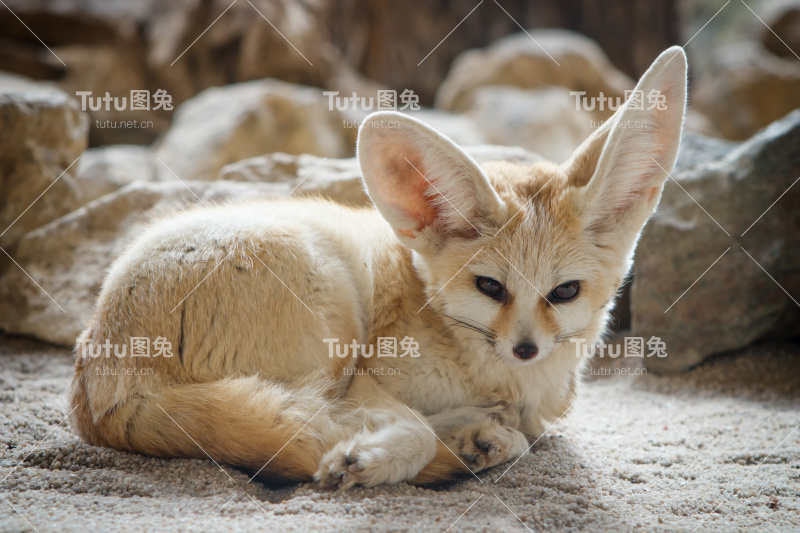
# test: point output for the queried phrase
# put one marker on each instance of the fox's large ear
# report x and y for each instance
(623, 165)
(426, 187)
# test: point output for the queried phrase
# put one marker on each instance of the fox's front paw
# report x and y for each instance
(483, 446)
(348, 464)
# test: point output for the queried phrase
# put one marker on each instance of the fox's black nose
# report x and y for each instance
(526, 350)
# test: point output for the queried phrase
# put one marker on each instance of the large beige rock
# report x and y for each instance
(107, 169)
(746, 88)
(69, 257)
(735, 302)
(42, 133)
(514, 154)
(460, 128)
(336, 179)
(542, 120)
(224, 125)
(560, 58)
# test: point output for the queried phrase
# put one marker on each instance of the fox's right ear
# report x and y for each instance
(426, 187)
(621, 168)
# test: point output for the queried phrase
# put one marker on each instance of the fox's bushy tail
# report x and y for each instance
(243, 421)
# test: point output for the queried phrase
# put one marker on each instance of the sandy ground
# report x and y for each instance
(717, 449)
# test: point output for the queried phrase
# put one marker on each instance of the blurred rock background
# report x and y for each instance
(248, 118)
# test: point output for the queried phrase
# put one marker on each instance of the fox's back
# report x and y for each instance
(238, 289)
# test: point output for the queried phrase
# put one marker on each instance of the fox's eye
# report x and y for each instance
(565, 292)
(490, 287)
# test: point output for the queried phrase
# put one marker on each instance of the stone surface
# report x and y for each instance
(106, 169)
(735, 302)
(240, 46)
(42, 133)
(543, 120)
(458, 127)
(561, 58)
(746, 88)
(488, 152)
(224, 125)
(102, 69)
(336, 179)
(116, 46)
(785, 23)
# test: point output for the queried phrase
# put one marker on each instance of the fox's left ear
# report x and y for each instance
(621, 168)
(427, 188)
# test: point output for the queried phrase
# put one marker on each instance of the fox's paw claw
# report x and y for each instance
(347, 465)
(485, 446)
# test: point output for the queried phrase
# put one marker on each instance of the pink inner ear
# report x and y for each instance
(405, 188)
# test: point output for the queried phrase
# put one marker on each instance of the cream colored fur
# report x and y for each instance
(246, 295)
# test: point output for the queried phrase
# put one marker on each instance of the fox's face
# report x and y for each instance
(521, 259)
(534, 280)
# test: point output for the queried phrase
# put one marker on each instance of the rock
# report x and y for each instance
(224, 125)
(735, 302)
(785, 23)
(461, 129)
(336, 179)
(15, 82)
(543, 120)
(96, 46)
(101, 69)
(698, 149)
(696, 122)
(237, 46)
(240, 46)
(116, 46)
(393, 42)
(107, 169)
(42, 133)
(571, 61)
(514, 154)
(68, 257)
(746, 88)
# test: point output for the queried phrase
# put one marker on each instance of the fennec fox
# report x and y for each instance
(489, 270)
